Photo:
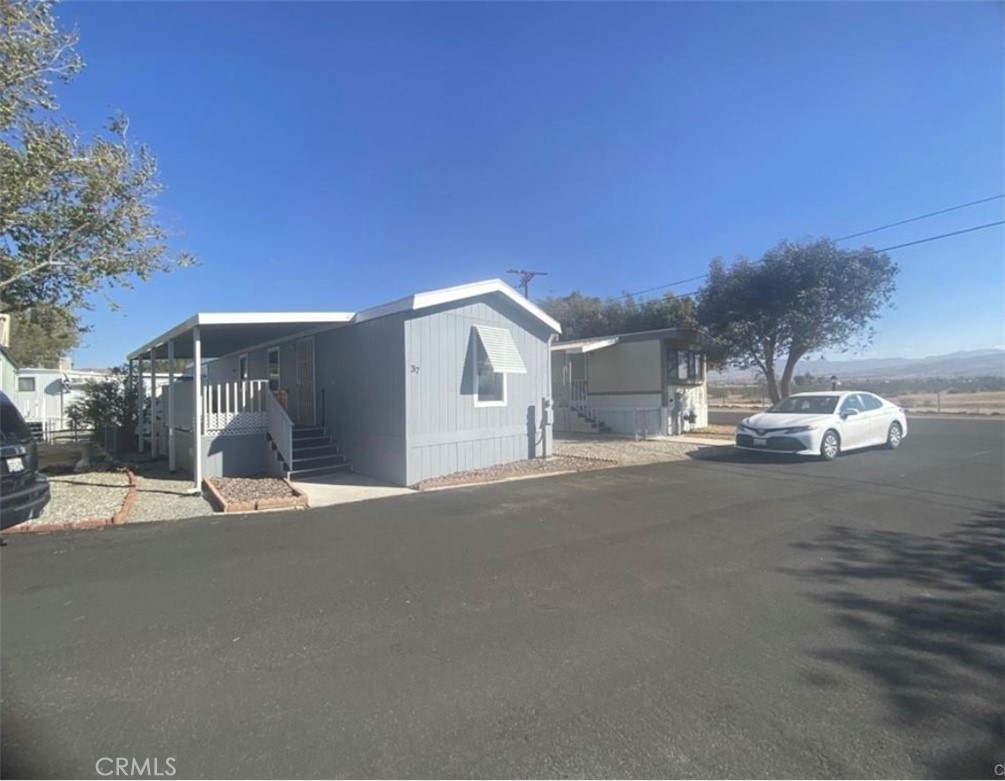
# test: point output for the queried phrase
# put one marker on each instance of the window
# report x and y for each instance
(274, 369)
(26, 384)
(870, 402)
(685, 365)
(811, 405)
(851, 403)
(490, 384)
(242, 367)
(495, 355)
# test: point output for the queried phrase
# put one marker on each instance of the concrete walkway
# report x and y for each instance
(327, 490)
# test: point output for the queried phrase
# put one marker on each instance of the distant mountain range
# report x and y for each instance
(968, 363)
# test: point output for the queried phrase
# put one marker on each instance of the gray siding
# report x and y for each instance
(446, 431)
(361, 370)
(230, 456)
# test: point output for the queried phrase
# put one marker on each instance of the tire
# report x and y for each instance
(830, 446)
(894, 436)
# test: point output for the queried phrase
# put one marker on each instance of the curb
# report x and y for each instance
(86, 524)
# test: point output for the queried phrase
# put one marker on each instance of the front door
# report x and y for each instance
(304, 409)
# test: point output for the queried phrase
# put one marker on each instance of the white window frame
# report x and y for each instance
(279, 368)
(474, 379)
(32, 380)
(247, 367)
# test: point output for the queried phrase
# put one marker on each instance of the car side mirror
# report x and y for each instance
(848, 413)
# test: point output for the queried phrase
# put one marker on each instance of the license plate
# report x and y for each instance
(760, 441)
(15, 464)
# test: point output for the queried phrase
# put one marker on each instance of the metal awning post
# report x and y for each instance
(139, 405)
(153, 404)
(170, 407)
(197, 407)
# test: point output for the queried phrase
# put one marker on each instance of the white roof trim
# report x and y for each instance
(500, 349)
(584, 345)
(449, 295)
(240, 318)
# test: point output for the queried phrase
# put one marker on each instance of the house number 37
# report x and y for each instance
(415, 369)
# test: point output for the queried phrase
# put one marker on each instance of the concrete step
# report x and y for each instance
(308, 442)
(306, 432)
(300, 451)
(330, 459)
(298, 474)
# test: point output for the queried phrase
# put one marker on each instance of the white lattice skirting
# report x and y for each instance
(224, 424)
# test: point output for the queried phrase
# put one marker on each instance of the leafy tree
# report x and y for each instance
(108, 404)
(801, 297)
(583, 317)
(40, 336)
(76, 214)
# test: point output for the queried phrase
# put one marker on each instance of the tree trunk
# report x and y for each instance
(790, 368)
(769, 376)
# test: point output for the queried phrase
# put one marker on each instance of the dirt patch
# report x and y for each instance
(527, 468)
(242, 494)
(715, 431)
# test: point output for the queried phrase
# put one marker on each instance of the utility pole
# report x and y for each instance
(525, 278)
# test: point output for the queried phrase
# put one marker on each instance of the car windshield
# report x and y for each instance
(13, 430)
(806, 405)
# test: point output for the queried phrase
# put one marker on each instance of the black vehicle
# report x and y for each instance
(24, 491)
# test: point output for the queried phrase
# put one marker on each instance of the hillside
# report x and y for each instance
(968, 363)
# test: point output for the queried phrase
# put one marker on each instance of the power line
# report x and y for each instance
(854, 235)
(897, 246)
(942, 236)
(921, 217)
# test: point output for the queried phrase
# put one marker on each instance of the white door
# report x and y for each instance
(856, 427)
(305, 382)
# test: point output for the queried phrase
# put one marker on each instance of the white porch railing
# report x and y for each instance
(580, 396)
(237, 407)
(280, 427)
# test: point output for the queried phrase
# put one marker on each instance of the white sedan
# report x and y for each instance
(824, 424)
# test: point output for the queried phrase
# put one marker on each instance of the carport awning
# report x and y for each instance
(501, 350)
(222, 333)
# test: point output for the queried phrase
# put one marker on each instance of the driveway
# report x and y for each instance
(722, 617)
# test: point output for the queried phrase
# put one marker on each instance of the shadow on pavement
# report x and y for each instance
(727, 454)
(925, 616)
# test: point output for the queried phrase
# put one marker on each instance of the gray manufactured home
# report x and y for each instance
(428, 385)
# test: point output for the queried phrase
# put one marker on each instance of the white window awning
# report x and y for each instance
(501, 350)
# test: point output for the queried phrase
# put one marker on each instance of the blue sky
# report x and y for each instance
(331, 156)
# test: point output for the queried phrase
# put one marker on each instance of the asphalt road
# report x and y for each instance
(726, 616)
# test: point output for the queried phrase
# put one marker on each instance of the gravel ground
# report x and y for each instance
(251, 489)
(79, 497)
(161, 496)
(625, 452)
(517, 469)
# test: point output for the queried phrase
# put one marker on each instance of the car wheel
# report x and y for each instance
(830, 446)
(894, 436)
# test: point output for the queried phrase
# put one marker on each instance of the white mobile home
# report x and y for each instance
(641, 384)
(44, 395)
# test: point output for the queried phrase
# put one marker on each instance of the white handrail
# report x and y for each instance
(280, 427)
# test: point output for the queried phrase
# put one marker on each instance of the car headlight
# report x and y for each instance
(799, 429)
